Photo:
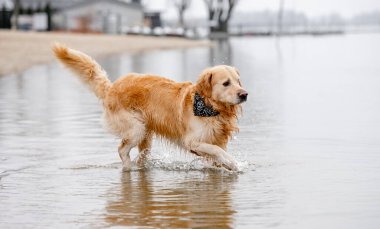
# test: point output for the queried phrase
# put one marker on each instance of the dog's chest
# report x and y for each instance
(205, 129)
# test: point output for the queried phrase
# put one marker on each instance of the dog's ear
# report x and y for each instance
(204, 84)
(237, 71)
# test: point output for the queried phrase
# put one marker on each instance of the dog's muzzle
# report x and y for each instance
(243, 95)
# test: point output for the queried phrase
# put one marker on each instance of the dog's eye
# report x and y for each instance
(226, 83)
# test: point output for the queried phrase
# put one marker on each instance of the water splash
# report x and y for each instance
(168, 163)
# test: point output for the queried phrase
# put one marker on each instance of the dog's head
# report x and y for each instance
(222, 84)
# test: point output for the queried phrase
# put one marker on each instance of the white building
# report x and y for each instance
(103, 16)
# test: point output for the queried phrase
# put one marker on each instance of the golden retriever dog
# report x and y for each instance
(199, 118)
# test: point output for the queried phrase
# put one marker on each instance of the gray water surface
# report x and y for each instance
(309, 144)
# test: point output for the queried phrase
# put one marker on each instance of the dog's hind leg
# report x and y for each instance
(144, 149)
(124, 150)
(131, 128)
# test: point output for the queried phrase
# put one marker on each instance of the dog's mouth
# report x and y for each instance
(242, 100)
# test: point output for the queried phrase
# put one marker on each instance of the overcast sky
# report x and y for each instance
(346, 8)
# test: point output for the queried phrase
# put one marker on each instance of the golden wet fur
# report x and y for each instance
(136, 107)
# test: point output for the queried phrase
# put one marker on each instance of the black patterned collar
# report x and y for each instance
(201, 109)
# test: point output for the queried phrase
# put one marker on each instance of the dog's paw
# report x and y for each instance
(127, 166)
(230, 165)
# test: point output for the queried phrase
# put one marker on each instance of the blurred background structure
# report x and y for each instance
(190, 18)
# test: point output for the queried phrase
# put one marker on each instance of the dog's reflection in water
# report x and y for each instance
(202, 199)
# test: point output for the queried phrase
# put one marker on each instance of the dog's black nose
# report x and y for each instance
(243, 95)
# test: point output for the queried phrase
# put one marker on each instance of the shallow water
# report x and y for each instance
(309, 145)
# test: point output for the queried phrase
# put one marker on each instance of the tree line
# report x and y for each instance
(219, 13)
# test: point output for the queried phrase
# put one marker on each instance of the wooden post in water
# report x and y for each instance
(280, 17)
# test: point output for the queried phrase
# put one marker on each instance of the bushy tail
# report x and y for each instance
(85, 67)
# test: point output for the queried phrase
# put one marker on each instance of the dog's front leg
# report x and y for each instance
(220, 156)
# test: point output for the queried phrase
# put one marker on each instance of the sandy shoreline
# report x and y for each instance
(21, 50)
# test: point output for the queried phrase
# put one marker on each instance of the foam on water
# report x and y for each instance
(168, 163)
(195, 165)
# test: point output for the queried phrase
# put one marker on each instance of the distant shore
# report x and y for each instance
(22, 50)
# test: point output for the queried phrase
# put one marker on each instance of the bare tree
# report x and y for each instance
(181, 6)
(220, 12)
(16, 10)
